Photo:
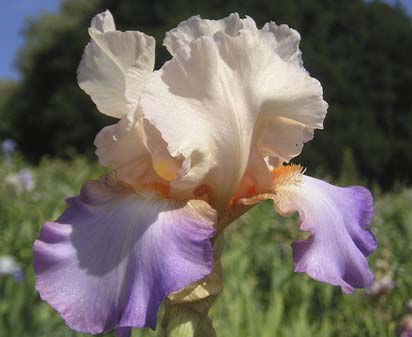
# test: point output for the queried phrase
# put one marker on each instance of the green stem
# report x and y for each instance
(188, 319)
(186, 311)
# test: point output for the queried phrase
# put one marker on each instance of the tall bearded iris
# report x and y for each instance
(197, 143)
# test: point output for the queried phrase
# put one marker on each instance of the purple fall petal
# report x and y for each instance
(337, 218)
(123, 332)
(113, 256)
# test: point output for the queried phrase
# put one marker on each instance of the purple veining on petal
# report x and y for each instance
(113, 256)
(337, 218)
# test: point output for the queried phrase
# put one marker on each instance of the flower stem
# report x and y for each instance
(188, 319)
(186, 311)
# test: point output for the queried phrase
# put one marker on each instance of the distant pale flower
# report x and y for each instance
(383, 283)
(408, 306)
(9, 266)
(27, 180)
(8, 147)
(382, 286)
(21, 182)
(13, 180)
(405, 329)
(198, 142)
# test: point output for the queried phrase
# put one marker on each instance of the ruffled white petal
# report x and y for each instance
(196, 27)
(103, 22)
(285, 41)
(121, 148)
(216, 99)
(136, 152)
(115, 66)
(256, 179)
(275, 138)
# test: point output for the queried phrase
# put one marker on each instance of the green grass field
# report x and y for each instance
(263, 297)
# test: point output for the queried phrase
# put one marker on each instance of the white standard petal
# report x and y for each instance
(115, 66)
(286, 41)
(121, 148)
(219, 97)
(136, 152)
(196, 27)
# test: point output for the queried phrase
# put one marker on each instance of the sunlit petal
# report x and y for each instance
(115, 66)
(338, 220)
(120, 147)
(196, 27)
(256, 179)
(136, 152)
(220, 98)
(282, 139)
(114, 255)
(286, 42)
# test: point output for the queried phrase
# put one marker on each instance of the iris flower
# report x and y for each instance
(197, 143)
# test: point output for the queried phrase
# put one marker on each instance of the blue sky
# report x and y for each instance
(405, 3)
(13, 14)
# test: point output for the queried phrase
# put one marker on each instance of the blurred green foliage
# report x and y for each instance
(360, 51)
(263, 297)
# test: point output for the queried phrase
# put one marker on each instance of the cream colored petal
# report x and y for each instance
(276, 133)
(275, 138)
(103, 22)
(213, 100)
(115, 66)
(200, 115)
(285, 41)
(196, 27)
(121, 148)
(163, 163)
(257, 177)
(136, 152)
